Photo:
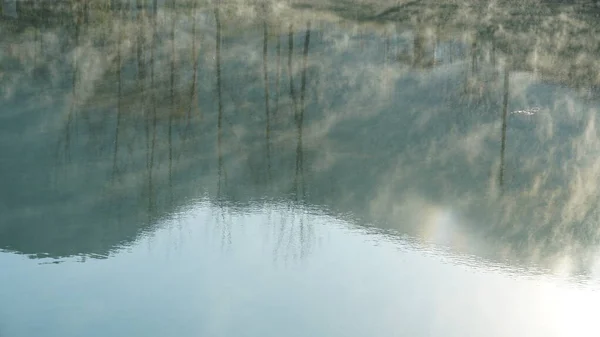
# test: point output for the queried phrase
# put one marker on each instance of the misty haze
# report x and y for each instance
(335, 168)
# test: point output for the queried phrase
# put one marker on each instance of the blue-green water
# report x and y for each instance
(299, 169)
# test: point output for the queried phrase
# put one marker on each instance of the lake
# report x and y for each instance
(299, 168)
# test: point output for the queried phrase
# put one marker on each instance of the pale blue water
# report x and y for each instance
(299, 169)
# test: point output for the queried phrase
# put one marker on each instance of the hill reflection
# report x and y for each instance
(411, 119)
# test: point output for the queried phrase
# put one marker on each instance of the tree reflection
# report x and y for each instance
(267, 103)
(119, 95)
(386, 142)
(504, 116)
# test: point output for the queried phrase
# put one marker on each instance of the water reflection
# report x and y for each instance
(395, 117)
(180, 279)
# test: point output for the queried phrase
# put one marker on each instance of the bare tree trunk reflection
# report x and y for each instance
(300, 149)
(142, 64)
(86, 9)
(299, 118)
(222, 175)
(303, 78)
(36, 38)
(193, 94)
(172, 112)
(290, 69)
(267, 112)
(142, 76)
(219, 103)
(294, 107)
(386, 53)
(119, 93)
(493, 57)
(140, 41)
(297, 114)
(474, 57)
(72, 112)
(504, 117)
(154, 115)
(418, 49)
(277, 88)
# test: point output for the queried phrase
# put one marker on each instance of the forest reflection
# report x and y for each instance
(463, 126)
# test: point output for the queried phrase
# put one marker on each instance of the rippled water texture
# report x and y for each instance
(299, 168)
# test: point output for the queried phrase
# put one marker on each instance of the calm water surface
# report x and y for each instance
(299, 168)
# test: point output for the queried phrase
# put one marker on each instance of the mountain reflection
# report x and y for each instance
(409, 118)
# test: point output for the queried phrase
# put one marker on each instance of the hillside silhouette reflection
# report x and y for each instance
(463, 126)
